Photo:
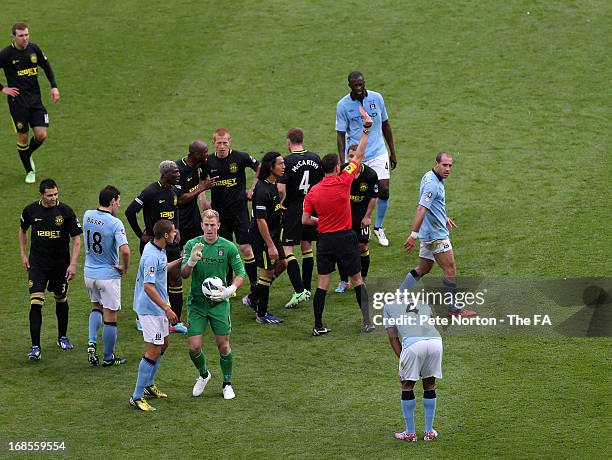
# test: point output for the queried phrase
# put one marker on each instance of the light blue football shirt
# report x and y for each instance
(431, 196)
(411, 324)
(349, 120)
(152, 270)
(104, 235)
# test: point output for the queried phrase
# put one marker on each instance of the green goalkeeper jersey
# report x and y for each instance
(216, 260)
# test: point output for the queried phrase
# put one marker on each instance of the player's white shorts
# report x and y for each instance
(420, 360)
(429, 248)
(105, 292)
(154, 328)
(380, 164)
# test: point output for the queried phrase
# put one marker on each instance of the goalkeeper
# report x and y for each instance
(207, 256)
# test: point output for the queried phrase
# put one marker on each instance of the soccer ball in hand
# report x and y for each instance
(211, 285)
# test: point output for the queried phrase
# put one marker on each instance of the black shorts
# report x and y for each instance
(293, 231)
(24, 117)
(52, 280)
(363, 233)
(189, 234)
(173, 252)
(260, 251)
(235, 221)
(340, 248)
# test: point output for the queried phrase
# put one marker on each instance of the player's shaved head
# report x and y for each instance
(355, 75)
(198, 146)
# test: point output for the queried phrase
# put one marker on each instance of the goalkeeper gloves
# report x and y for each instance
(195, 255)
(223, 294)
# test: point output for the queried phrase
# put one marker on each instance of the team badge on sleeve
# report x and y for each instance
(350, 168)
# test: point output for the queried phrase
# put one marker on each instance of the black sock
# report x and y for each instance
(34, 144)
(318, 304)
(61, 311)
(365, 263)
(307, 267)
(251, 270)
(175, 295)
(24, 156)
(35, 321)
(363, 303)
(263, 294)
(293, 271)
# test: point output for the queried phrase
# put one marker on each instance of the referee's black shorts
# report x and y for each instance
(338, 248)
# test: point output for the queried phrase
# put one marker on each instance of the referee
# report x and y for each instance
(330, 199)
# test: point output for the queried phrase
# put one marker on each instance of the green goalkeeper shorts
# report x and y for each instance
(218, 314)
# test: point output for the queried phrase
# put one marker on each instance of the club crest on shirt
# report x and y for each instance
(363, 187)
(59, 221)
(372, 106)
(34, 58)
(175, 200)
(220, 252)
(233, 168)
(19, 125)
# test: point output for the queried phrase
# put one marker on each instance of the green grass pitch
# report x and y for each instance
(519, 91)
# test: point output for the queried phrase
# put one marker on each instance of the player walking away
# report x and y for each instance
(207, 256)
(337, 243)
(51, 263)
(364, 194)
(159, 201)
(348, 128)
(20, 62)
(431, 225)
(265, 234)
(302, 171)
(229, 196)
(151, 305)
(104, 239)
(418, 346)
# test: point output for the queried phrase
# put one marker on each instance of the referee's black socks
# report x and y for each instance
(362, 300)
(318, 304)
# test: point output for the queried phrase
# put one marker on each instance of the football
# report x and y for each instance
(210, 285)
